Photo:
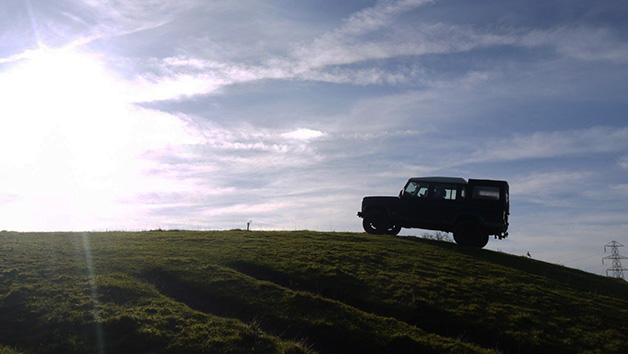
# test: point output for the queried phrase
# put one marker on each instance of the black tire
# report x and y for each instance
(393, 230)
(481, 240)
(375, 223)
(470, 233)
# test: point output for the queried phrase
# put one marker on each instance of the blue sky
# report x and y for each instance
(127, 115)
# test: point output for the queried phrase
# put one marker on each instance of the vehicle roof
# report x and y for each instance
(456, 180)
(489, 182)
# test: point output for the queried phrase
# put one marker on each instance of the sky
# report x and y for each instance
(206, 115)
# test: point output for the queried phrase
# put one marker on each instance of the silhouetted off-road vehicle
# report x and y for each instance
(472, 210)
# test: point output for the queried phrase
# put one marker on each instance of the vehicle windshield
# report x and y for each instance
(416, 189)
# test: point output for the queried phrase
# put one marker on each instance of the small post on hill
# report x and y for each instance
(248, 225)
(617, 271)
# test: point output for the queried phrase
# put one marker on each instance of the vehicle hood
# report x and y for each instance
(378, 200)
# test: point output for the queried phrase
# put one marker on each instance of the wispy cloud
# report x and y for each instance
(345, 47)
(346, 44)
(585, 43)
(368, 35)
(247, 210)
(555, 144)
(621, 189)
(554, 189)
(364, 38)
(126, 15)
(546, 183)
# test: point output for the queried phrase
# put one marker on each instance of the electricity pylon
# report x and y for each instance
(616, 270)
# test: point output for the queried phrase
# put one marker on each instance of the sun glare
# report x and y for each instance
(55, 94)
(70, 141)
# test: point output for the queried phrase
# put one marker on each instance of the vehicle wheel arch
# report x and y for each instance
(376, 209)
(469, 217)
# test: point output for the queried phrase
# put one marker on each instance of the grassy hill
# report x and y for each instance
(294, 292)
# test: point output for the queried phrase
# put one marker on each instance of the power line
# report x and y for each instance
(616, 270)
(583, 258)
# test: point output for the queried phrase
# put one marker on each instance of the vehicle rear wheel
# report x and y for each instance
(375, 223)
(481, 240)
(470, 233)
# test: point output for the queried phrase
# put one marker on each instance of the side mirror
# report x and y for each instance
(401, 193)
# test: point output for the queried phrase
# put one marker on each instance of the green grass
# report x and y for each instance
(294, 292)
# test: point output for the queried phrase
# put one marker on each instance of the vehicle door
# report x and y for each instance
(415, 203)
(446, 203)
(490, 200)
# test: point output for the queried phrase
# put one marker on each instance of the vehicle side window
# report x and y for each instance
(484, 192)
(445, 191)
(416, 189)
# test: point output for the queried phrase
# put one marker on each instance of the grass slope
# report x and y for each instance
(294, 292)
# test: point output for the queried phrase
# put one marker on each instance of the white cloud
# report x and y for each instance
(184, 76)
(553, 144)
(303, 134)
(158, 88)
(6, 198)
(539, 184)
(116, 15)
(621, 189)
(381, 134)
(243, 137)
(346, 46)
(328, 57)
(247, 210)
(324, 58)
(383, 13)
(623, 162)
(179, 77)
(584, 43)
(554, 189)
(370, 76)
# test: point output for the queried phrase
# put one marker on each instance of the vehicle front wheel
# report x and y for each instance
(375, 223)
(393, 230)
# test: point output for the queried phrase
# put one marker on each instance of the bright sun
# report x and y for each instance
(70, 139)
(58, 114)
(56, 95)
